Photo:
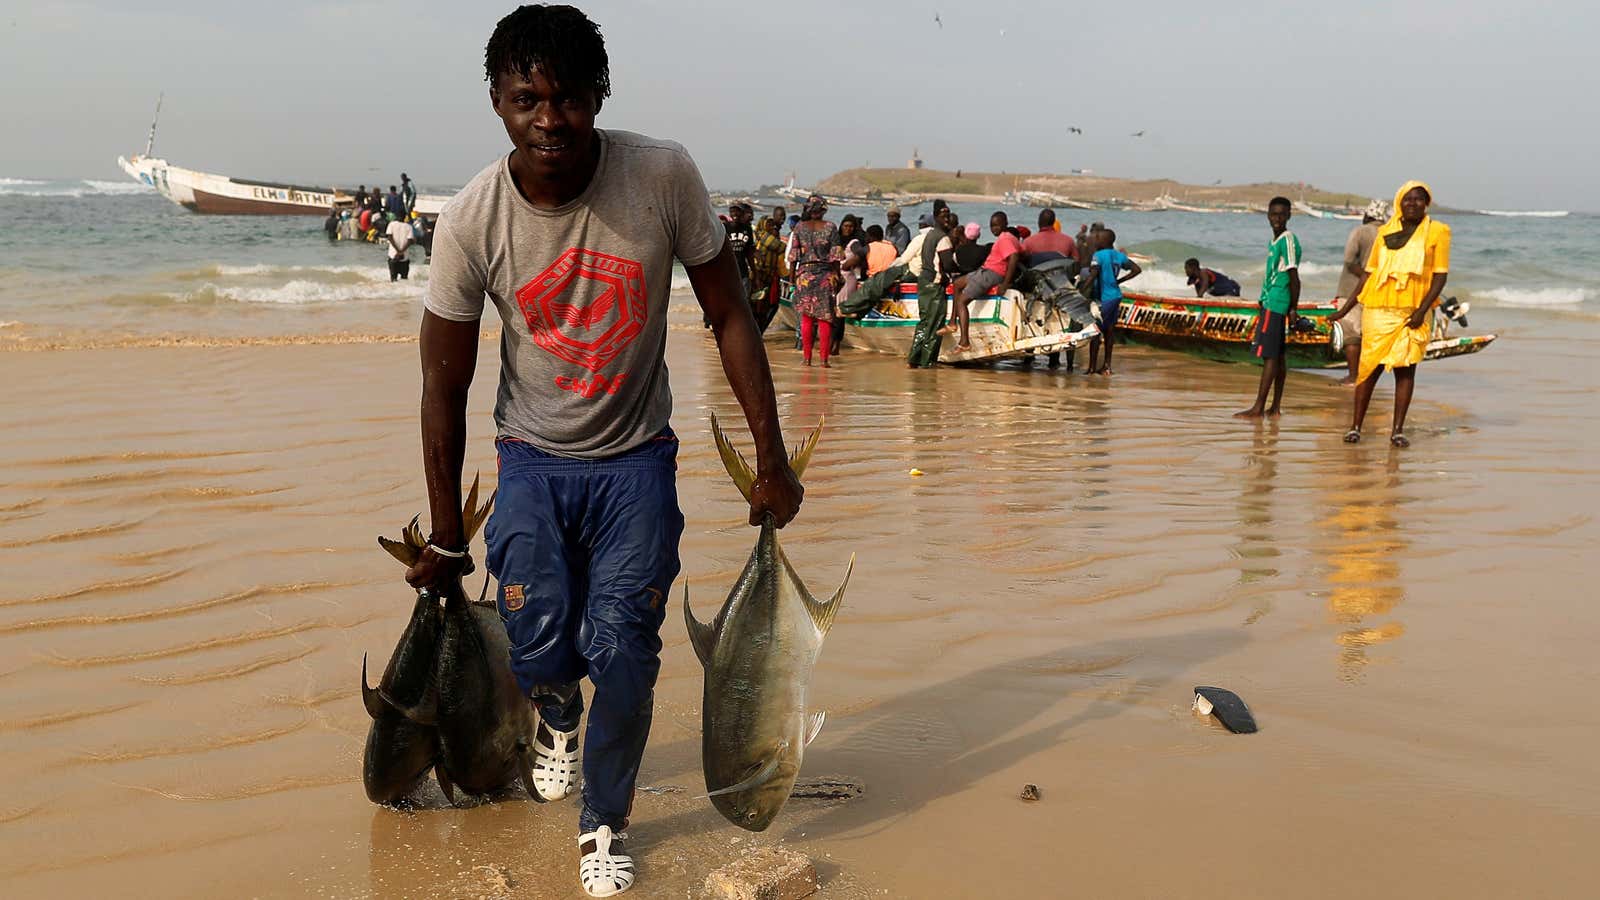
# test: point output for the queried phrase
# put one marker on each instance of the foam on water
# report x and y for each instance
(365, 273)
(1527, 214)
(1537, 297)
(73, 188)
(1159, 281)
(303, 291)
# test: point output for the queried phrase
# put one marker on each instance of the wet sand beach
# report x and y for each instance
(191, 580)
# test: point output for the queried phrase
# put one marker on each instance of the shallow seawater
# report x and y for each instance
(102, 261)
(192, 580)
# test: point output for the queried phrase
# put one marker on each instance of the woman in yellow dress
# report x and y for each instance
(1405, 274)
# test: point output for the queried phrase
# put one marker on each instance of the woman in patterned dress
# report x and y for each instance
(812, 257)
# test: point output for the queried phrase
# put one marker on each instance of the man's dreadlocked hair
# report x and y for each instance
(558, 40)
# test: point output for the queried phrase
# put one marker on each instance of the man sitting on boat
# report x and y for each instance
(997, 274)
(1209, 281)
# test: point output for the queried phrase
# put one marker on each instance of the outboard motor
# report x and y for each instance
(1455, 310)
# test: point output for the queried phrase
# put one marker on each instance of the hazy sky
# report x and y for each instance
(1485, 100)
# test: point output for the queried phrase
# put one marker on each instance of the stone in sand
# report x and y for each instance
(764, 873)
(1030, 792)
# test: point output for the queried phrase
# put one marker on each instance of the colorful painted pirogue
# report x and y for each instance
(1216, 328)
(1220, 328)
(1003, 327)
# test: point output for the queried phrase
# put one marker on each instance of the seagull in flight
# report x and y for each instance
(1073, 129)
(1137, 134)
(938, 21)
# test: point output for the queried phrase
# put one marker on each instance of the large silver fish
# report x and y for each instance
(758, 655)
(447, 700)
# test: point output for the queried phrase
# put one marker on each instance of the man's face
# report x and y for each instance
(1278, 217)
(1191, 270)
(551, 127)
(997, 224)
(1413, 206)
(894, 218)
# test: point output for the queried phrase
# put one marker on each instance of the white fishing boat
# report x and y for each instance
(1008, 326)
(203, 192)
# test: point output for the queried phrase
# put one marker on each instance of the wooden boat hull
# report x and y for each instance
(203, 192)
(1002, 327)
(1220, 328)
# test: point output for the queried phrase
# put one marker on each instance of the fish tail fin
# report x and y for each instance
(444, 784)
(409, 548)
(740, 470)
(822, 613)
(472, 515)
(370, 698)
(759, 778)
(732, 459)
(801, 457)
(702, 636)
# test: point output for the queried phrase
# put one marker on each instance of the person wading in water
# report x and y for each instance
(583, 542)
(1406, 272)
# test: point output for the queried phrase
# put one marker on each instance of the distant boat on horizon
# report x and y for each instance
(208, 194)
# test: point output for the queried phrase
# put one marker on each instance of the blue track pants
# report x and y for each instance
(585, 553)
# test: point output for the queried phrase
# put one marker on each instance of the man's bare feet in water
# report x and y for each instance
(1251, 413)
(1347, 381)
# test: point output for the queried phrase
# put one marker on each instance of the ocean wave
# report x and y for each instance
(1310, 268)
(303, 291)
(1158, 281)
(363, 273)
(1178, 251)
(118, 187)
(1526, 213)
(1537, 297)
(71, 188)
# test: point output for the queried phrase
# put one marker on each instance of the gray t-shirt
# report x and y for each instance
(581, 290)
(1356, 250)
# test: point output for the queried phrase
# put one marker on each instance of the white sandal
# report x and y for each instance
(555, 769)
(602, 873)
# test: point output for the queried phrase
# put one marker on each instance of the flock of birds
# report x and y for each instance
(1073, 129)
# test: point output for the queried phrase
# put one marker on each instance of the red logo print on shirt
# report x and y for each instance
(586, 307)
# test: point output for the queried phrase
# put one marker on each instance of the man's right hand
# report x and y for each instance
(432, 569)
(776, 492)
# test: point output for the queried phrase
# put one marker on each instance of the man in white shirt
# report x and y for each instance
(399, 235)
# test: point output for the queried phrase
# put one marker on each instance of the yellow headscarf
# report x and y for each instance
(1408, 260)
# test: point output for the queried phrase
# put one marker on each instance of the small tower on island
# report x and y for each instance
(915, 162)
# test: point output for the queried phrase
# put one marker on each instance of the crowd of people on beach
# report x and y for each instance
(389, 219)
(845, 270)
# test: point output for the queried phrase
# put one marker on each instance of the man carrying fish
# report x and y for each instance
(573, 237)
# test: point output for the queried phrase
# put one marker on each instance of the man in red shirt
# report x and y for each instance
(1048, 243)
(999, 270)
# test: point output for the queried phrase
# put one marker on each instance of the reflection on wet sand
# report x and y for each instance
(1364, 544)
(180, 645)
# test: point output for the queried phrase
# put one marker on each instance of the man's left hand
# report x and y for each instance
(777, 492)
(1418, 318)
